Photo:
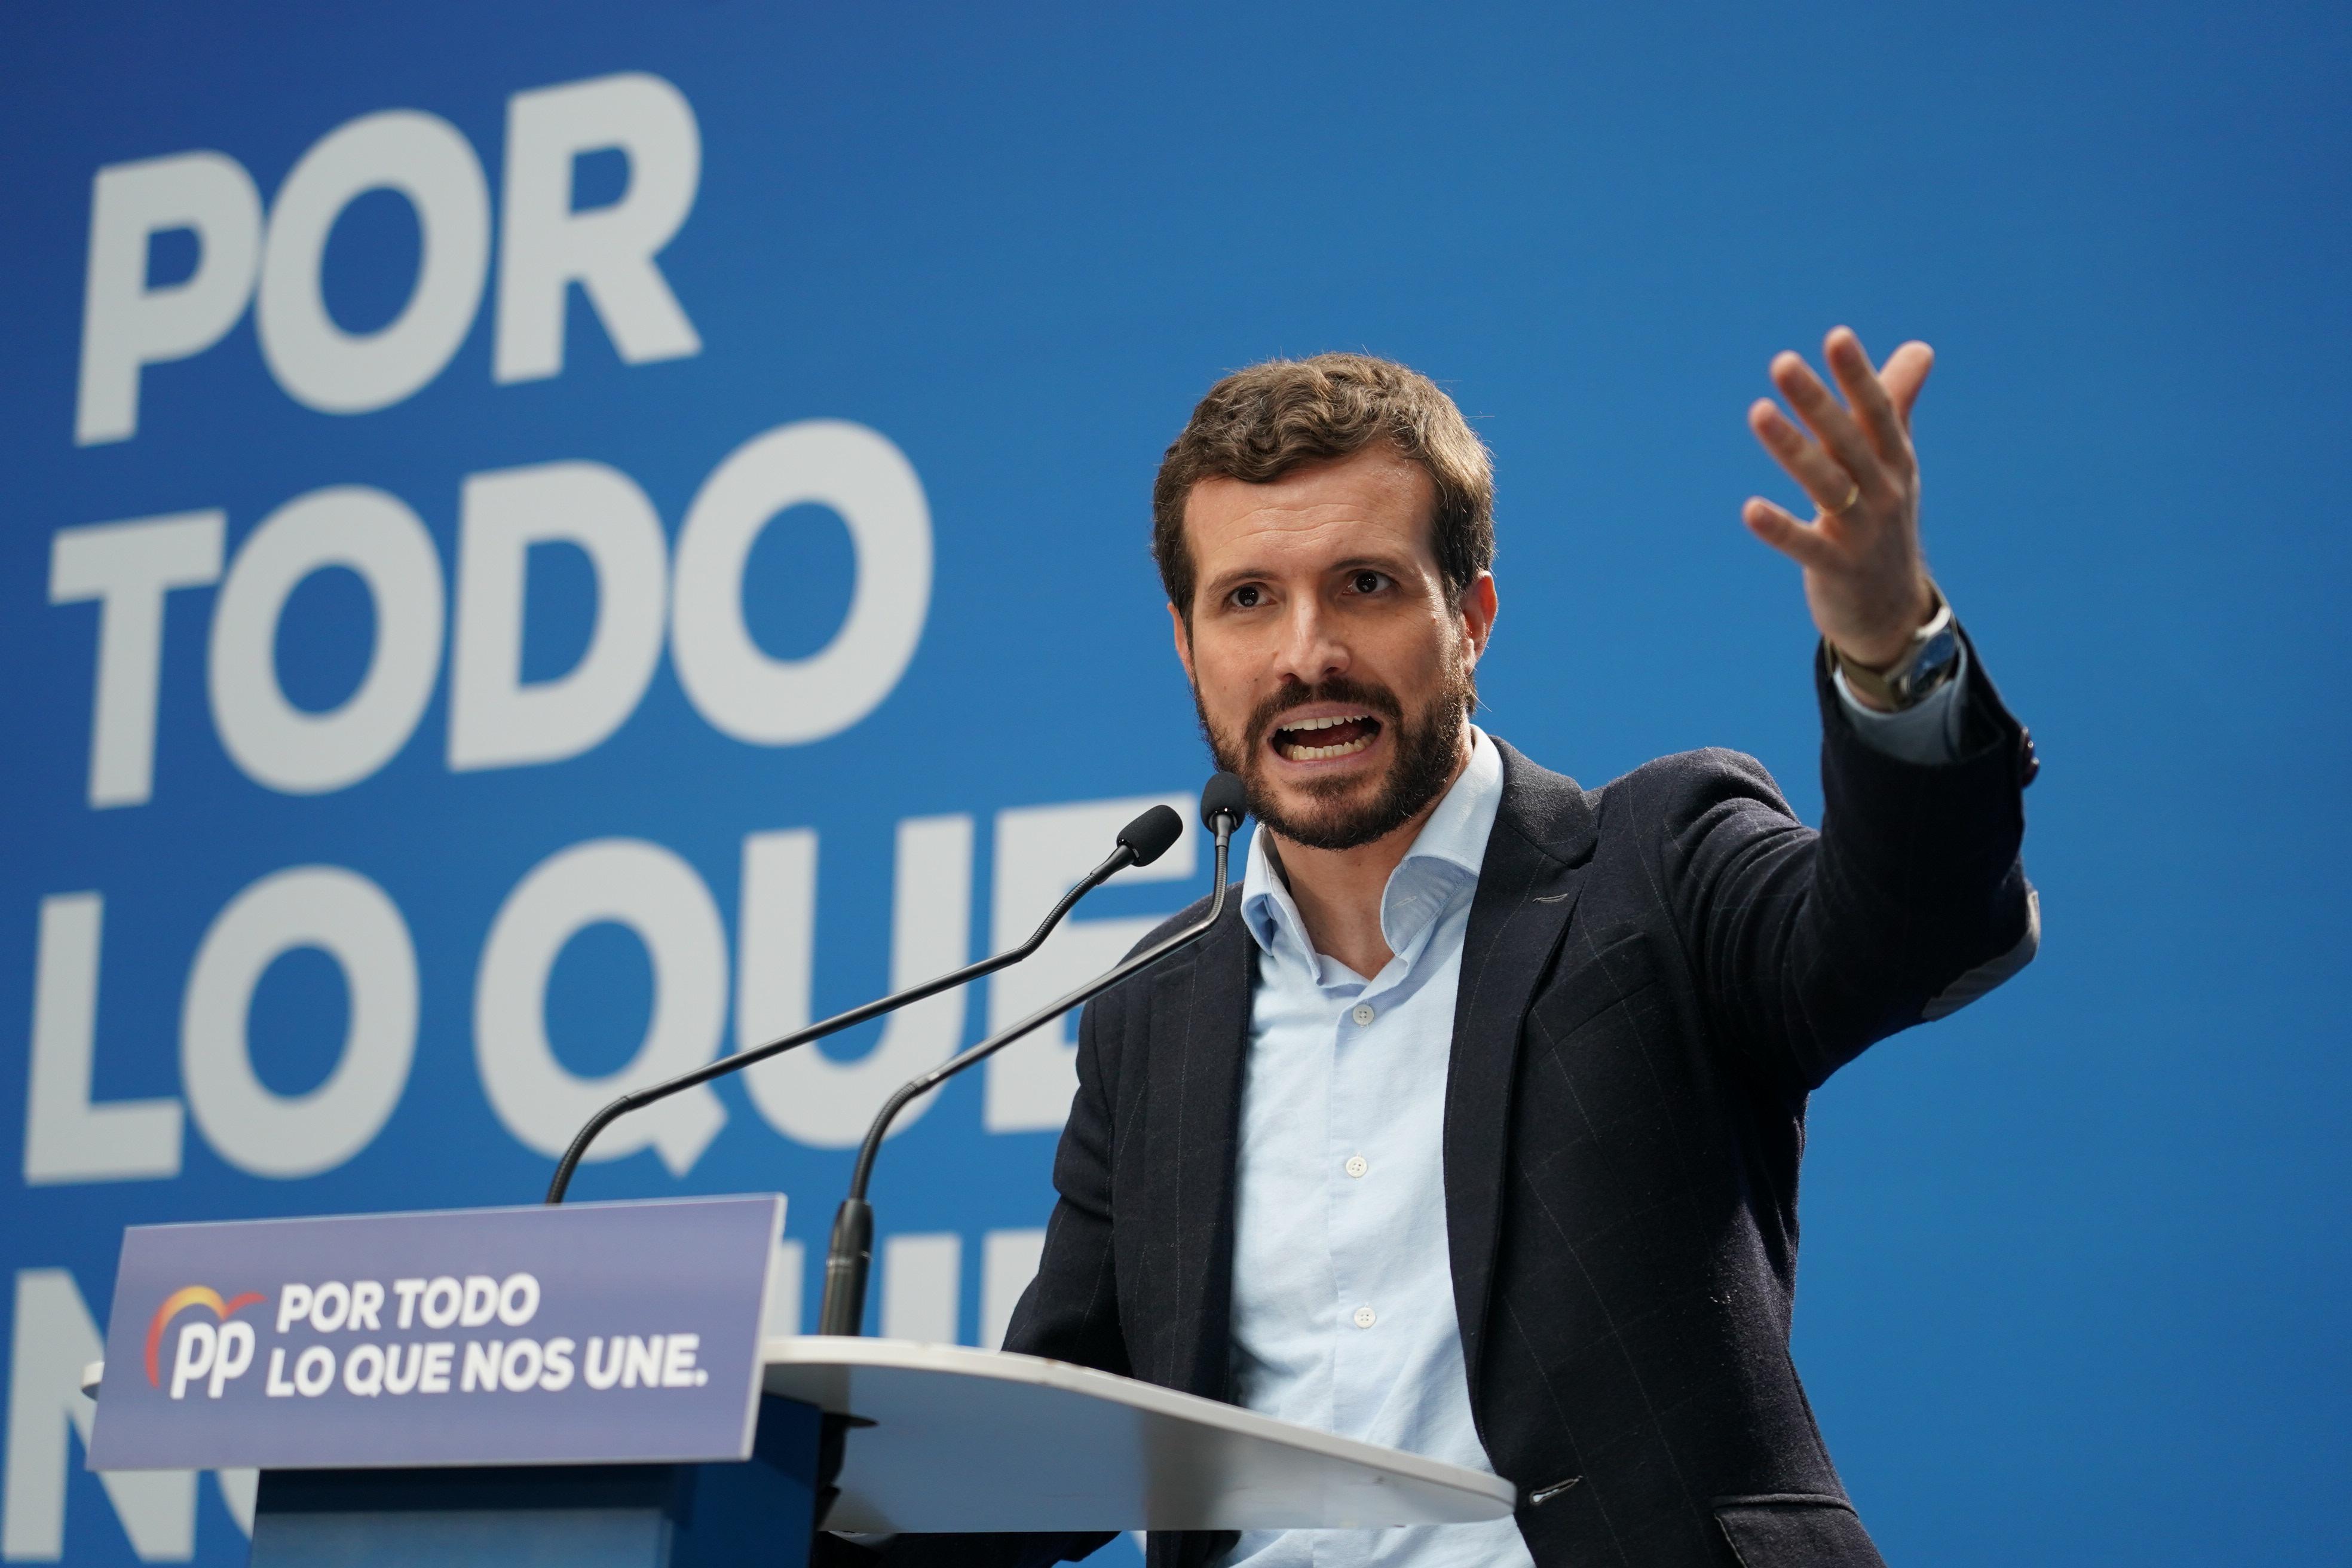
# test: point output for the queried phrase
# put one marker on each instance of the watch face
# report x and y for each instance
(1936, 661)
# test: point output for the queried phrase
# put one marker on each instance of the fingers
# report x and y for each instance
(1822, 476)
(1799, 541)
(1874, 409)
(1836, 428)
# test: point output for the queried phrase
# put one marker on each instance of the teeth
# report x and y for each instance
(1317, 753)
(1305, 724)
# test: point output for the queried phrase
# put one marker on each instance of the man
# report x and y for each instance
(1473, 1129)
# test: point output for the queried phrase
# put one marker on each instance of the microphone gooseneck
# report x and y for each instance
(1140, 842)
(849, 1254)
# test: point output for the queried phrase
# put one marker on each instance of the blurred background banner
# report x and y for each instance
(544, 543)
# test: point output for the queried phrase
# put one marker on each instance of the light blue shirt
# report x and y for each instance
(1343, 1295)
(1343, 1313)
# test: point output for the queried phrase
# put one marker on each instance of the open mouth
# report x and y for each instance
(1323, 739)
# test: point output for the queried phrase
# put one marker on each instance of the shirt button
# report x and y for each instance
(1364, 1319)
(1358, 1164)
(1363, 1013)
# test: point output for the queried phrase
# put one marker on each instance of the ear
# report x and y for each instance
(1184, 642)
(1477, 612)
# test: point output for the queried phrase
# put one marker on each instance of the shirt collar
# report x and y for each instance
(1441, 864)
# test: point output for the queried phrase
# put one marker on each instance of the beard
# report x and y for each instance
(1428, 747)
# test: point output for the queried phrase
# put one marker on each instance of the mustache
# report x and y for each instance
(1378, 700)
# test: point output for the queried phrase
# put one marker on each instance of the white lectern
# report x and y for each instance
(966, 1439)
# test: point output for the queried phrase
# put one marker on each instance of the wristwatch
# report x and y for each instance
(1931, 658)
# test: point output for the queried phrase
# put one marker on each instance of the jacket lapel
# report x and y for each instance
(1196, 1075)
(1528, 886)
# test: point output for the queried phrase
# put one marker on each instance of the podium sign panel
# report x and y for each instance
(581, 1334)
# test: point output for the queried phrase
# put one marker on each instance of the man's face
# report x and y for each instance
(1330, 666)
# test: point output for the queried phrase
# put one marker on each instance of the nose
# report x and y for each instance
(1312, 650)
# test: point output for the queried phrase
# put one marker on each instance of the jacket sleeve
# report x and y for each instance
(1909, 902)
(1070, 1311)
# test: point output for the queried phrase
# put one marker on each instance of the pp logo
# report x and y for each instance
(202, 1350)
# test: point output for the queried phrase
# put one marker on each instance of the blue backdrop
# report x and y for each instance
(459, 737)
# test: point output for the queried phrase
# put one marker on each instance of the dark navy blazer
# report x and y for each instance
(1656, 975)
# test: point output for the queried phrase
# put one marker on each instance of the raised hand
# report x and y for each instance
(1865, 577)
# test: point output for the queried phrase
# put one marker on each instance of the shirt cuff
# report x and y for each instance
(1927, 734)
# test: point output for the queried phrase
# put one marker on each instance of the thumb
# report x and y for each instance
(1905, 374)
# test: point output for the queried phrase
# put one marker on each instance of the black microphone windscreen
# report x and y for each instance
(1150, 836)
(1224, 796)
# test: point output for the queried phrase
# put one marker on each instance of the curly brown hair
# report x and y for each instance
(1259, 424)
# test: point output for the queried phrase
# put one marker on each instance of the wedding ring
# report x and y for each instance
(1846, 505)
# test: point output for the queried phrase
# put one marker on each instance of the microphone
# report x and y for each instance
(850, 1254)
(1140, 842)
(1224, 796)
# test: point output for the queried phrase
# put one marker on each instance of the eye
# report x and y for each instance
(1248, 596)
(1367, 580)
